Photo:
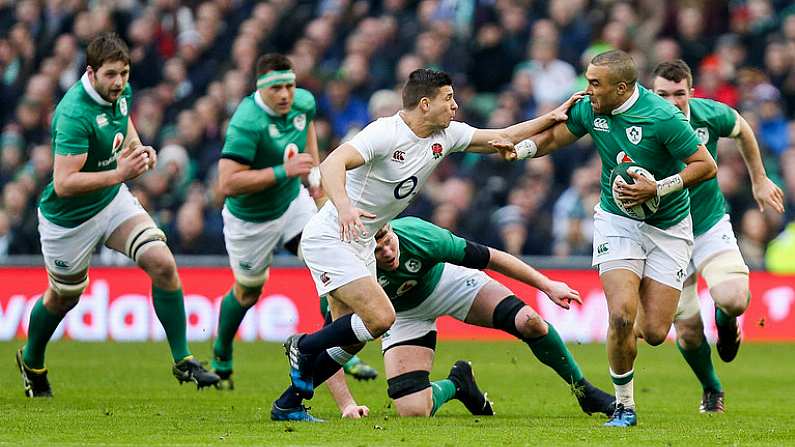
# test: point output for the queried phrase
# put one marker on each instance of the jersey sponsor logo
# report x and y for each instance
(622, 157)
(324, 278)
(102, 120)
(123, 106)
(406, 286)
(273, 131)
(299, 122)
(383, 281)
(290, 151)
(437, 150)
(703, 135)
(399, 156)
(601, 124)
(413, 265)
(406, 187)
(634, 134)
(118, 139)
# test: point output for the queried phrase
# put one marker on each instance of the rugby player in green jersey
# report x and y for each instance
(429, 272)
(270, 145)
(715, 253)
(96, 150)
(642, 263)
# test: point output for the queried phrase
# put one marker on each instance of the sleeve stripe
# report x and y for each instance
(237, 158)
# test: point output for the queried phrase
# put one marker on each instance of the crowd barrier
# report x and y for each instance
(117, 306)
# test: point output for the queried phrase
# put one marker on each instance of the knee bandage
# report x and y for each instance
(408, 383)
(688, 302)
(143, 237)
(505, 315)
(68, 288)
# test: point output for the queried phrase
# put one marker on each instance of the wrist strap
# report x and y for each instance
(526, 149)
(669, 185)
(279, 173)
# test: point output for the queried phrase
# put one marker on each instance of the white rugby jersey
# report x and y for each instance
(396, 165)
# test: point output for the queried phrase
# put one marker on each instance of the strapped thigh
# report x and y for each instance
(143, 237)
(69, 288)
(723, 267)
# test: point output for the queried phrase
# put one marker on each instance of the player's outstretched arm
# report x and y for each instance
(765, 191)
(506, 140)
(338, 387)
(332, 177)
(69, 181)
(560, 293)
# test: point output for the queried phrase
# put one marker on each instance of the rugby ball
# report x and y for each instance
(620, 174)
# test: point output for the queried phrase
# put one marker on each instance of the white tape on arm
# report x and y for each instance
(314, 177)
(526, 149)
(669, 185)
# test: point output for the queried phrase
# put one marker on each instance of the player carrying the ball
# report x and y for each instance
(96, 150)
(715, 253)
(642, 263)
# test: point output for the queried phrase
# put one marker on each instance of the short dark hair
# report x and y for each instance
(106, 47)
(622, 67)
(674, 71)
(273, 61)
(383, 231)
(423, 83)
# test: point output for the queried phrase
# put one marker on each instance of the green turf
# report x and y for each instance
(108, 393)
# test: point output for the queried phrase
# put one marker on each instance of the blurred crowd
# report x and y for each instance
(193, 61)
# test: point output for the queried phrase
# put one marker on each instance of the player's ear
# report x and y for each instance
(91, 75)
(425, 104)
(692, 91)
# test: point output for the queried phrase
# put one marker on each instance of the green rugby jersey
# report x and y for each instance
(258, 138)
(424, 248)
(711, 120)
(84, 122)
(647, 130)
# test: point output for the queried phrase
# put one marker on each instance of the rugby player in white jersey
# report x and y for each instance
(389, 161)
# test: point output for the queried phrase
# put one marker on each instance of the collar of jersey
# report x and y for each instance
(633, 98)
(261, 103)
(91, 92)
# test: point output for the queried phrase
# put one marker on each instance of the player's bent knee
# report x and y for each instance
(414, 408)
(379, 324)
(622, 321)
(655, 335)
(530, 324)
(407, 384)
(143, 237)
(733, 301)
(160, 267)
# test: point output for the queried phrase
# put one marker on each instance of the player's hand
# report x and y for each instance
(561, 294)
(299, 164)
(768, 193)
(353, 411)
(561, 112)
(505, 148)
(351, 226)
(150, 151)
(642, 190)
(132, 162)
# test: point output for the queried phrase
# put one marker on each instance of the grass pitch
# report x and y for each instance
(123, 393)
